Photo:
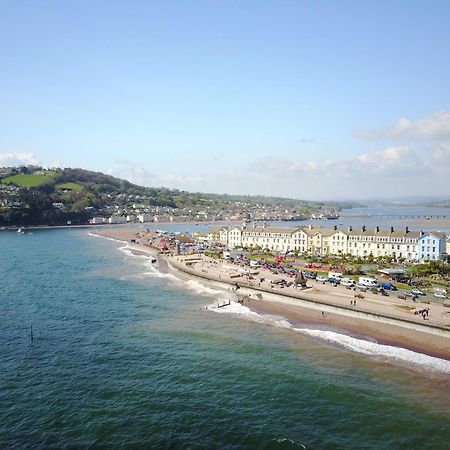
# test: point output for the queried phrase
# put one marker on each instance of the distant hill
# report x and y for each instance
(33, 196)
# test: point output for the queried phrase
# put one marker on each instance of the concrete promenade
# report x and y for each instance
(318, 295)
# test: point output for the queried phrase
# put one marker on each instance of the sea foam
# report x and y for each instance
(366, 347)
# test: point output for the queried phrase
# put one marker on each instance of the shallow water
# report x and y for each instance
(125, 356)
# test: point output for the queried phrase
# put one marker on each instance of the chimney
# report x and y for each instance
(254, 224)
(335, 228)
(406, 230)
(421, 233)
(349, 228)
(310, 226)
(392, 229)
(377, 229)
(363, 228)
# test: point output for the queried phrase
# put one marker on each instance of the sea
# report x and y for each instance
(101, 350)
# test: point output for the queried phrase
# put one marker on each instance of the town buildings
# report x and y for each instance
(316, 240)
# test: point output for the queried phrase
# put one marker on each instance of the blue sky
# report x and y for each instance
(306, 99)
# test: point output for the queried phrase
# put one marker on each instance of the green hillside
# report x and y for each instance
(69, 186)
(34, 196)
(30, 179)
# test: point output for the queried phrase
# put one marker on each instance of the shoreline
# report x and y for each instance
(108, 225)
(401, 332)
(407, 335)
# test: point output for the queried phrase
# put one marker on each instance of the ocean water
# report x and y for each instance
(123, 356)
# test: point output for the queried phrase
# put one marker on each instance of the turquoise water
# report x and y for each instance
(125, 357)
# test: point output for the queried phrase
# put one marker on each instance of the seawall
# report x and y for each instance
(302, 300)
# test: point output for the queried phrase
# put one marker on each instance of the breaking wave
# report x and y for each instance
(366, 347)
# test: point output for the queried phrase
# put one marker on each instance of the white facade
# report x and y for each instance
(117, 219)
(163, 219)
(145, 218)
(98, 220)
(431, 245)
(325, 241)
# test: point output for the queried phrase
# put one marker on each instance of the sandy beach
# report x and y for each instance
(389, 320)
(439, 223)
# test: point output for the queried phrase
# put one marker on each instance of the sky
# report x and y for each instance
(315, 99)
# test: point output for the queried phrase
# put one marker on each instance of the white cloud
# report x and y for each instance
(397, 161)
(18, 159)
(391, 159)
(135, 173)
(182, 181)
(433, 127)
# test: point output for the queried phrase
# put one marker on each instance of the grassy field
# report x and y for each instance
(75, 187)
(30, 180)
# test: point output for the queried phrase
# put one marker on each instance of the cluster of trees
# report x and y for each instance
(432, 267)
(37, 208)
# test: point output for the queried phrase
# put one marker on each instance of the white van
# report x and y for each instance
(370, 282)
(226, 255)
(335, 275)
(347, 282)
(254, 263)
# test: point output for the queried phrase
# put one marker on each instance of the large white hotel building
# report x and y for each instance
(316, 240)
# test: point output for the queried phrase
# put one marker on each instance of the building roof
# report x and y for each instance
(376, 232)
(438, 234)
(392, 271)
(274, 230)
(214, 230)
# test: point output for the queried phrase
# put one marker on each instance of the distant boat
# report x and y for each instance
(332, 216)
(20, 231)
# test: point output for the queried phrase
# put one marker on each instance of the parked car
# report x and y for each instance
(388, 286)
(321, 278)
(361, 287)
(440, 295)
(310, 275)
(334, 280)
(411, 294)
(348, 282)
(417, 292)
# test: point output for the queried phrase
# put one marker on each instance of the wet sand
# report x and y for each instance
(383, 333)
(441, 223)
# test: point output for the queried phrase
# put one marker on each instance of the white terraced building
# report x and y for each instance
(331, 241)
